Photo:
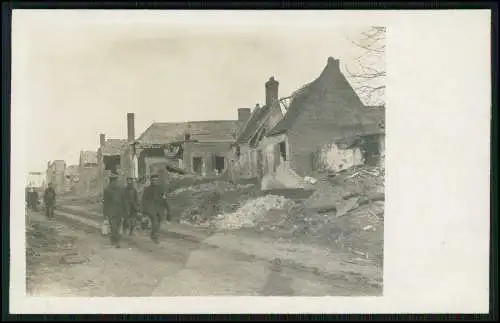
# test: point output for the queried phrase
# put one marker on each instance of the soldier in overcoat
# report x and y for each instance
(113, 208)
(131, 206)
(155, 206)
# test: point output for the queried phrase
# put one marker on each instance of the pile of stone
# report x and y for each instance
(345, 210)
(203, 202)
(253, 212)
(211, 186)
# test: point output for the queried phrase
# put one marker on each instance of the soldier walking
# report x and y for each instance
(49, 199)
(113, 209)
(131, 205)
(154, 205)
(34, 199)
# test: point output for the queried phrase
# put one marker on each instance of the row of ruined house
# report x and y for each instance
(322, 126)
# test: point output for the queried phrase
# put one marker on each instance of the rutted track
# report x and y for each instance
(175, 250)
(97, 218)
(172, 250)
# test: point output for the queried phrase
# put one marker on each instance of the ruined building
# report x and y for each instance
(109, 159)
(325, 126)
(244, 155)
(88, 172)
(55, 174)
(198, 147)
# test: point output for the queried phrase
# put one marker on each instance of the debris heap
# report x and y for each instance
(345, 210)
(251, 213)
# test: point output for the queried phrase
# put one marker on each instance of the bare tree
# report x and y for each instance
(369, 77)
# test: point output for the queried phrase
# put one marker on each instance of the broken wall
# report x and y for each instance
(243, 166)
(55, 175)
(332, 158)
(89, 179)
(208, 151)
(271, 152)
(284, 177)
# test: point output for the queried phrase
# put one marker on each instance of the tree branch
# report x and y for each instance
(370, 77)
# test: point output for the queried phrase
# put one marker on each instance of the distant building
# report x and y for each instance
(71, 178)
(36, 179)
(55, 175)
(88, 172)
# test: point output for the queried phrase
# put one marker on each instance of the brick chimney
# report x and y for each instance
(130, 127)
(244, 115)
(102, 140)
(333, 62)
(271, 91)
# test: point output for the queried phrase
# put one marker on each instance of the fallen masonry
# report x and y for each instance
(345, 210)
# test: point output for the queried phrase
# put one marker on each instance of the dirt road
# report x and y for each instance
(175, 267)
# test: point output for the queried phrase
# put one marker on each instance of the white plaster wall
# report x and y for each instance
(269, 147)
(336, 159)
(382, 145)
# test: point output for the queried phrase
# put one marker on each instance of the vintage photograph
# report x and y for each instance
(170, 159)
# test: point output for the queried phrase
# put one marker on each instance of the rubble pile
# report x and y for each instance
(345, 210)
(210, 186)
(199, 204)
(251, 213)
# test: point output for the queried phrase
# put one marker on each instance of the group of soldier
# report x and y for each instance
(121, 207)
(49, 200)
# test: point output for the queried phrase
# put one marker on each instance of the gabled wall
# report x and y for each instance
(330, 110)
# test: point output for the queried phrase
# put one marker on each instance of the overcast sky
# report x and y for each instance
(77, 74)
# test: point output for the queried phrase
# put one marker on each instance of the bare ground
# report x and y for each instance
(173, 268)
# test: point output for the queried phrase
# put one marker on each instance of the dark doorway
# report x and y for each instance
(282, 146)
(219, 163)
(111, 163)
(197, 164)
(371, 150)
(260, 162)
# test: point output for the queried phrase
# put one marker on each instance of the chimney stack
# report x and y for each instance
(271, 91)
(130, 127)
(243, 115)
(102, 139)
(333, 62)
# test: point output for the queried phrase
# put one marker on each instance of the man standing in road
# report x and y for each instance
(154, 205)
(113, 208)
(131, 205)
(49, 199)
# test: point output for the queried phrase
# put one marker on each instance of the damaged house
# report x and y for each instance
(109, 158)
(198, 147)
(244, 154)
(55, 174)
(71, 178)
(325, 127)
(365, 147)
(88, 171)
